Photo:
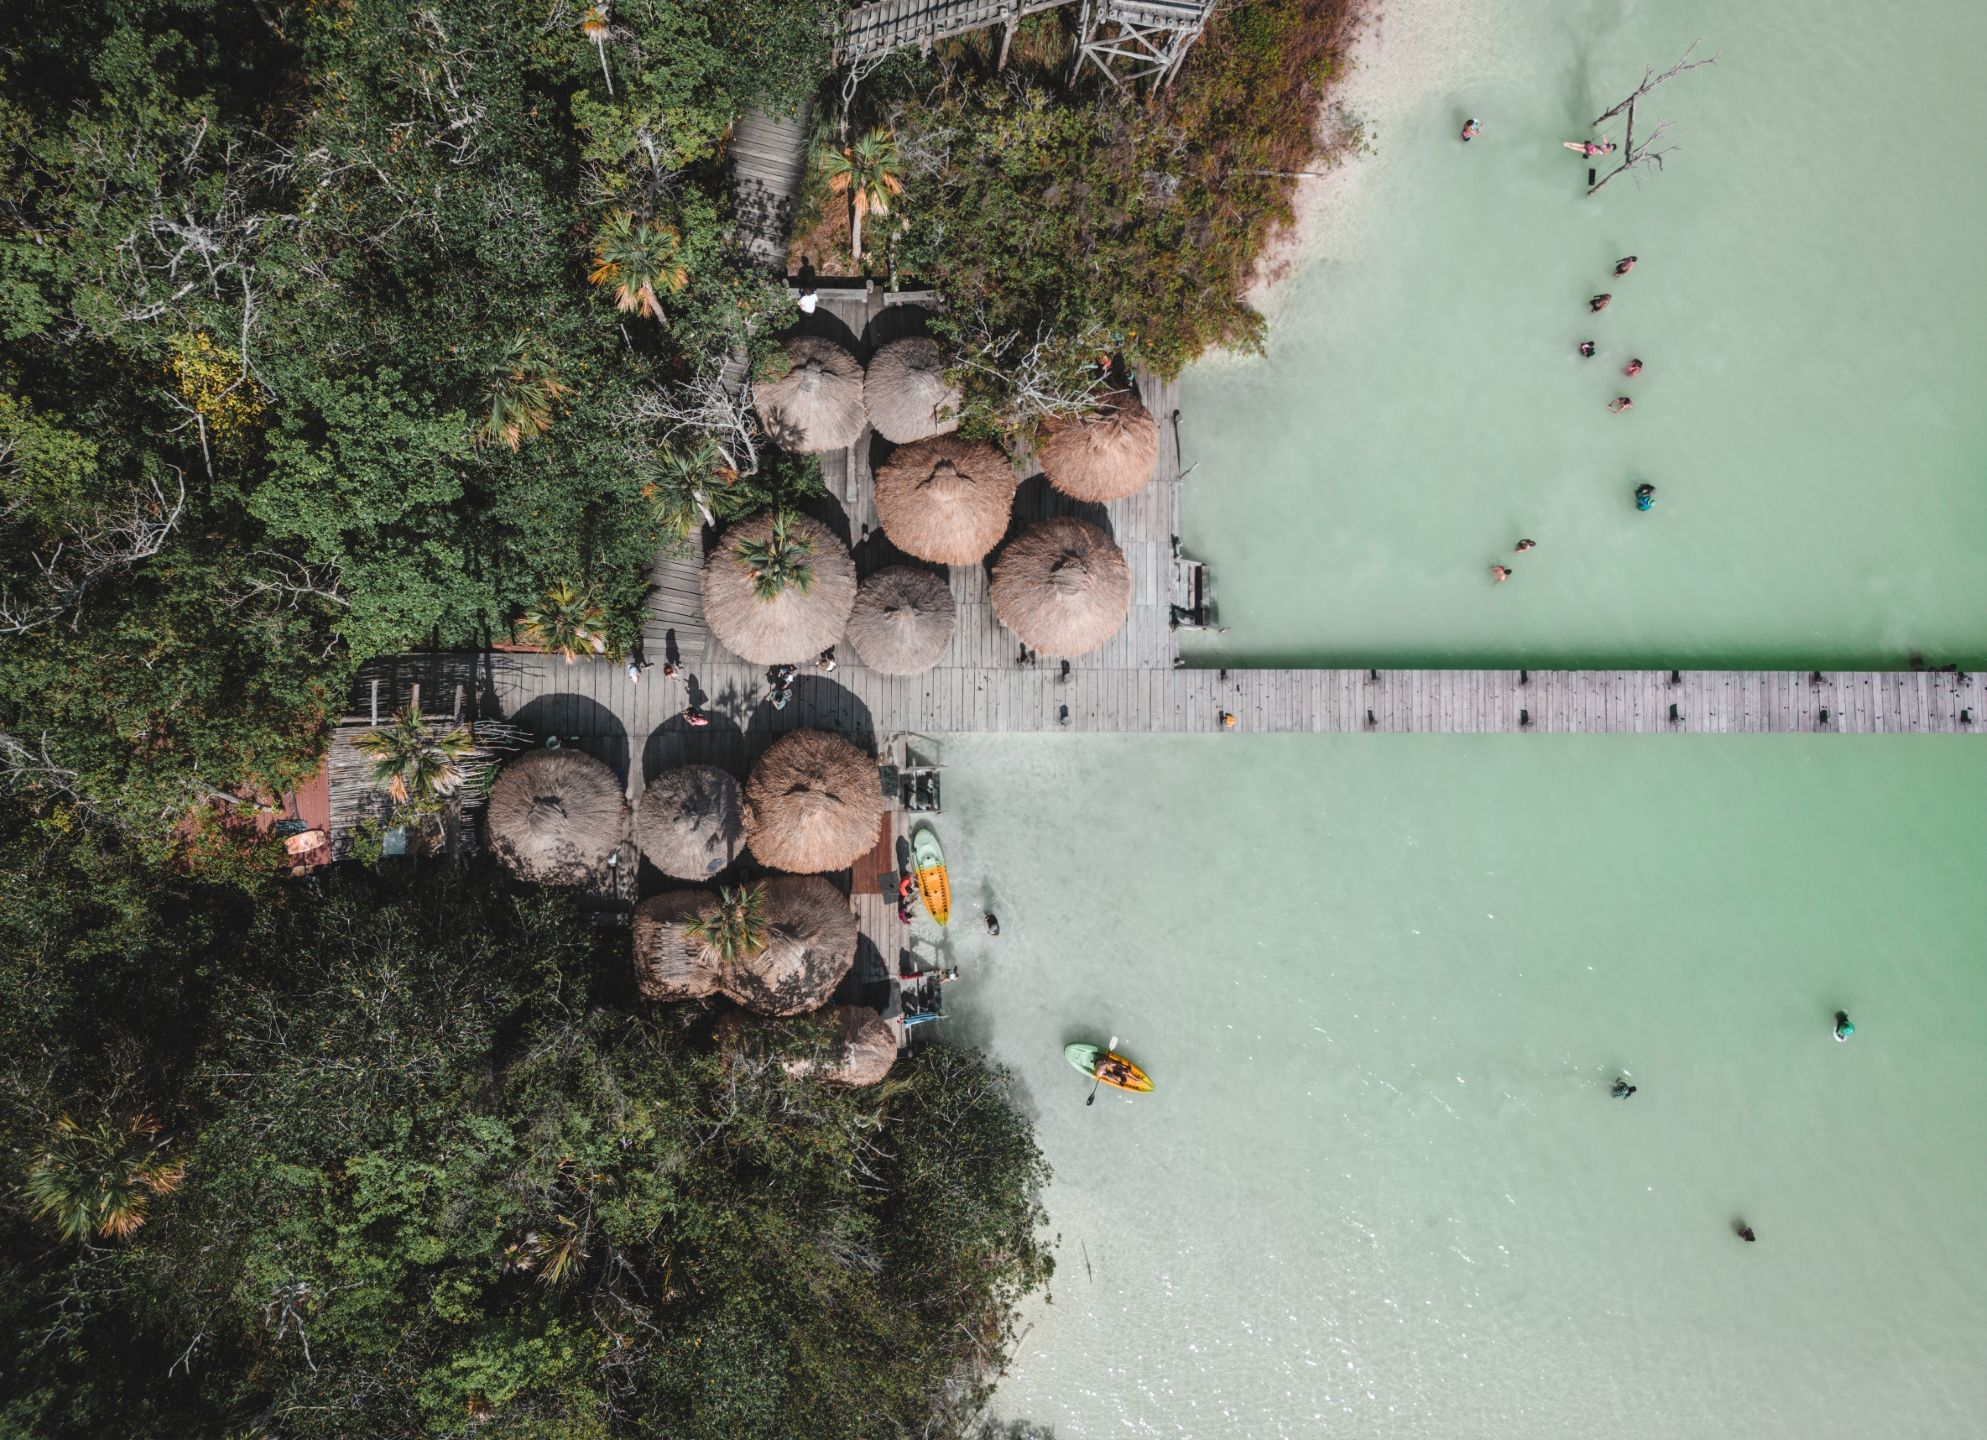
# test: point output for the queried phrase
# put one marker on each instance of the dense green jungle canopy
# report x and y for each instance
(406, 1165)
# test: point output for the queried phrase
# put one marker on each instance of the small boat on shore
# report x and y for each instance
(1108, 1067)
(934, 884)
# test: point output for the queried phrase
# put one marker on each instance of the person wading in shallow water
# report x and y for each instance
(1524, 545)
(1499, 574)
(1625, 264)
(1600, 302)
(1586, 349)
(1622, 1089)
(1471, 129)
(1620, 403)
(1632, 369)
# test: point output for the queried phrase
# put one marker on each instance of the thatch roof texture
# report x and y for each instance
(902, 621)
(669, 963)
(555, 816)
(817, 405)
(813, 803)
(795, 625)
(1062, 586)
(906, 391)
(1105, 456)
(945, 499)
(861, 1053)
(810, 946)
(691, 821)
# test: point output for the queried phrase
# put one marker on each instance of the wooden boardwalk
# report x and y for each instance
(768, 158)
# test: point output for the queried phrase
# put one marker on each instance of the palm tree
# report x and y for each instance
(567, 622)
(100, 1179)
(694, 484)
(736, 930)
(869, 172)
(594, 25)
(413, 760)
(779, 560)
(522, 393)
(638, 258)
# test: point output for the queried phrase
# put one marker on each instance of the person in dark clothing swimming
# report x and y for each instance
(1622, 1089)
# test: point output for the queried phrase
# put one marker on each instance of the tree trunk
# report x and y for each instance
(855, 232)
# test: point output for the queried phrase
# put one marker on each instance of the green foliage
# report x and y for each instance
(413, 759)
(434, 1180)
(1045, 212)
(567, 621)
(780, 561)
(299, 358)
(868, 172)
(736, 930)
(98, 1178)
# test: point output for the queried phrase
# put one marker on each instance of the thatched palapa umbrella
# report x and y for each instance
(691, 822)
(778, 588)
(813, 803)
(945, 499)
(861, 1053)
(902, 621)
(906, 391)
(817, 405)
(1105, 456)
(1062, 586)
(555, 816)
(810, 945)
(671, 963)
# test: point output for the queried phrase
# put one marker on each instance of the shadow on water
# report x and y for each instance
(581, 723)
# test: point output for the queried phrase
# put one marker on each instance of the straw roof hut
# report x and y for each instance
(795, 625)
(862, 1051)
(555, 816)
(810, 946)
(1105, 456)
(906, 391)
(1062, 586)
(902, 620)
(945, 499)
(813, 803)
(691, 822)
(817, 405)
(671, 964)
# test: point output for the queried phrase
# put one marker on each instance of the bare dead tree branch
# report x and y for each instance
(1645, 156)
(288, 584)
(1050, 377)
(1650, 80)
(706, 406)
(111, 541)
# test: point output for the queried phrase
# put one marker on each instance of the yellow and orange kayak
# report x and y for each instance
(934, 885)
(1108, 1067)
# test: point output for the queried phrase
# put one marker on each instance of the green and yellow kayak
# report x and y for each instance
(1108, 1067)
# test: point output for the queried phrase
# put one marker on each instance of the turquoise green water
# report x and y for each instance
(1383, 986)
(1809, 305)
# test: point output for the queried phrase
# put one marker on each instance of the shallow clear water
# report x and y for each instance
(1383, 985)
(1809, 305)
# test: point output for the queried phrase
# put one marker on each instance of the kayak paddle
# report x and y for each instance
(1098, 1079)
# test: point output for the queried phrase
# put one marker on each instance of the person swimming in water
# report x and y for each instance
(993, 923)
(1622, 1089)
(1625, 264)
(1589, 148)
(1619, 404)
(1586, 349)
(1632, 369)
(1744, 1231)
(1844, 1026)
(1472, 128)
(1499, 574)
(1523, 545)
(1600, 302)
(1645, 496)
